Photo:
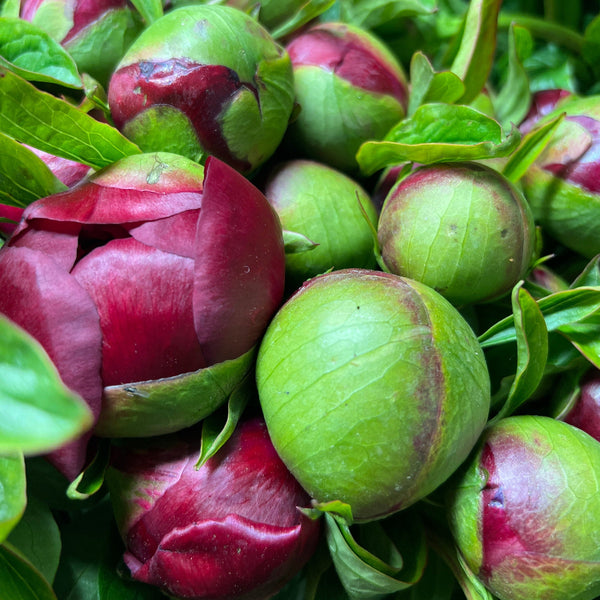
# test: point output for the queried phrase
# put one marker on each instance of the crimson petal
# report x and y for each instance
(144, 299)
(49, 304)
(240, 264)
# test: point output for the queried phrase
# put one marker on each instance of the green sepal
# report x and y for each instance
(39, 412)
(439, 133)
(150, 10)
(13, 497)
(91, 479)
(32, 54)
(364, 575)
(341, 510)
(164, 128)
(25, 177)
(218, 426)
(166, 405)
(531, 146)
(53, 125)
(295, 243)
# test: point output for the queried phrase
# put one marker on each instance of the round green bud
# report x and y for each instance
(374, 389)
(462, 229)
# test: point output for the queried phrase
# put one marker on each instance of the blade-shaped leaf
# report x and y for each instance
(429, 86)
(590, 276)
(585, 336)
(25, 177)
(531, 146)
(12, 492)
(307, 12)
(55, 126)
(512, 102)
(19, 579)
(532, 350)
(559, 309)
(31, 53)
(372, 13)
(39, 412)
(150, 10)
(37, 538)
(473, 61)
(438, 132)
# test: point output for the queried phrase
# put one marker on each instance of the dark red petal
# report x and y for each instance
(144, 299)
(174, 234)
(233, 559)
(67, 171)
(200, 91)
(14, 214)
(48, 303)
(57, 240)
(240, 264)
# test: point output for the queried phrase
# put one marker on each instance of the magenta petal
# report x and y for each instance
(144, 299)
(234, 559)
(240, 264)
(67, 171)
(48, 303)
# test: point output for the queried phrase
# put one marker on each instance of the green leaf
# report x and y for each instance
(32, 54)
(369, 14)
(363, 575)
(531, 146)
(19, 579)
(438, 133)
(37, 538)
(559, 309)
(307, 12)
(169, 404)
(512, 103)
(39, 412)
(475, 56)
(428, 86)
(590, 276)
(12, 493)
(90, 480)
(89, 564)
(591, 45)
(585, 336)
(150, 10)
(55, 126)
(532, 350)
(24, 176)
(215, 432)
(10, 8)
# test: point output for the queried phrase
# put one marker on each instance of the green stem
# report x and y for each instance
(539, 27)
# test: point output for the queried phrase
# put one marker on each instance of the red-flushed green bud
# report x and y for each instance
(205, 80)
(148, 285)
(327, 207)
(374, 389)
(461, 228)
(563, 185)
(230, 530)
(96, 33)
(350, 89)
(524, 512)
(542, 104)
(585, 411)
